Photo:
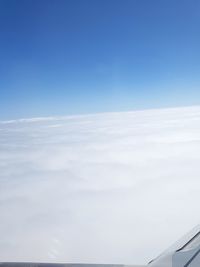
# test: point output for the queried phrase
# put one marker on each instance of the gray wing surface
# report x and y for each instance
(184, 253)
(30, 264)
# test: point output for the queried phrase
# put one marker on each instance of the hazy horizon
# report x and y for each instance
(74, 115)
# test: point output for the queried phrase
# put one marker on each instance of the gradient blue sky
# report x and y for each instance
(60, 57)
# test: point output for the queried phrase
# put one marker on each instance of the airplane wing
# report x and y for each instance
(29, 264)
(184, 253)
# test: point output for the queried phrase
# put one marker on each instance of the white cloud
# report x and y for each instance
(104, 188)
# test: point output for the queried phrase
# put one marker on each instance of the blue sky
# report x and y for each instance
(87, 56)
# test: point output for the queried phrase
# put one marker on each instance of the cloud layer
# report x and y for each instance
(105, 188)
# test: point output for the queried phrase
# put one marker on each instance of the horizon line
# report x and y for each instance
(53, 117)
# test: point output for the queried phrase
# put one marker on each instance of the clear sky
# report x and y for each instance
(60, 57)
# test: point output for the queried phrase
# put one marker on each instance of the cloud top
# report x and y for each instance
(103, 188)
